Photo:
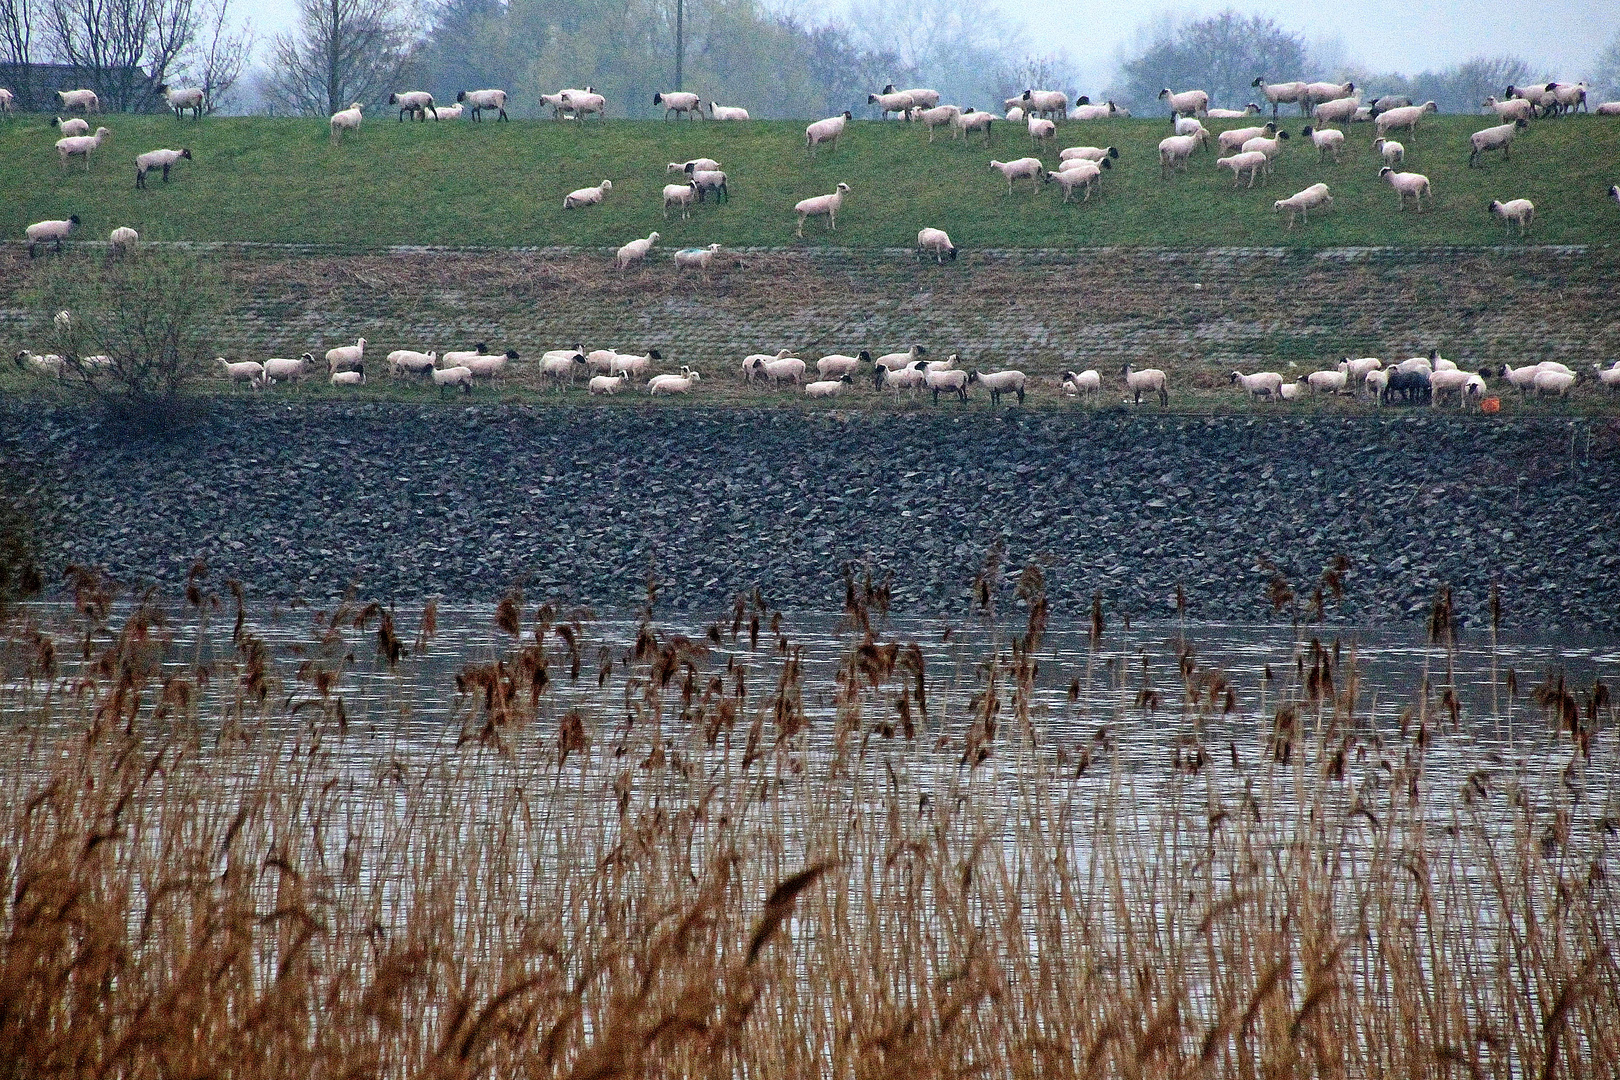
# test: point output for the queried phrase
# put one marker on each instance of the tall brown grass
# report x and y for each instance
(666, 859)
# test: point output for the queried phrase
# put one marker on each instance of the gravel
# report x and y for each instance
(581, 503)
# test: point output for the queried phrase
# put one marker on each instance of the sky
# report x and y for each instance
(1382, 35)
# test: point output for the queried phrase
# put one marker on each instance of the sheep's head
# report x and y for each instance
(842, 187)
(1164, 93)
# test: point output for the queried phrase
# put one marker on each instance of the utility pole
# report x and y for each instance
(680, 44)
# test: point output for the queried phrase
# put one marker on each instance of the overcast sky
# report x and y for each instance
(1384, 35)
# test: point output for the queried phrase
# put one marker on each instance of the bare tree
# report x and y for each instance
(128, 45)
(17, 41)
(220, 51)
(342, 51)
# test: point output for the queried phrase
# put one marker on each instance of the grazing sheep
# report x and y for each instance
(559, 364)
(1000, 382)
(1405, 117)
(1084, 382)
(347, 120)
(46, 367)
(718, 111)
(1318, 93)
(1406, 183)
(936, 241)
(588, 196)
(479, 100)
(1048, 103)
(1152, 380)
(1327, 382)
(609, 384)
(1608, 108)
(447, 112)
(1262, 384)
(969, 120)
(750, 364)
(1177, 150)
(1234, 139)
(402, 362)
(446, 377)
(707, 180)
(680, 195)
(246, 371)
(892, 363)
(825, 131)
(123, 240)
(819, 206)
(697, 258)
(1376, 382)
(1088, 153)
(418, 103)
(1186, 103)
(153, 159)
(1303, 202)
(1280, 93)
(702, 164)
(1085, 110)
(937, 116)
(1386, 102)
(1251, 109)
(1357, 370)
(633, 364)
(906, 378)
(1292, 391)
(1499, 137)
(1520, 212)
(357, 377)
(673, 384)
(897, 101)
(1188, 125)
(277, 369)
(346, 357)
(1041, 131)
(780, 369)
(1391, 151)
(77, 125)
(1328, 141)
(54, 231)
(1338, 111)
(837, 365)
(1077, 172)
(1256, 164)
(1026, 168)
(636, 250)
(827, 387)
(585, 103)
(1450, 381)
(1270, 147)
(81, 146)
(1556, 383)
(459, 358)
(1511, 109)
(1015, 115)
(680, 102)
(949, 381)
(79, 99)
(1609, 376)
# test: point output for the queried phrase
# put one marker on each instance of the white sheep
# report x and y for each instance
(158, 159)
(587, 196)
(680, 102)
(585, 102)
(1405, 117)
(895, 101)
(79, 99)
(1338, 111)
(937, 242)
(1609, 376)
(1262, 384)
(1078, 173)
(123, 239)
(456, 358)
(1270, 147)
(1499, 137)
(1520, 212)
(702, 164)
(892, 363)
(245, 371)
(1177, 150)
(1376, 382)
(46, 367)
(837, 365)
(1234, 139)
(969, 120)
(1255, 164)
(559, 104)
(278, 369)
(1040, 130)
(609, 384)
(825, 131)
(697, 258)
(905, 378)
(446, 377)
(819, 206)
(1010, 381)
(750, 364)
(1303, 202)
(1328, 141)
(718, 111)
(1188, 125)
(683, 196)
(418, 103)
(76, 125)
(1025, 168)
(81, 146)
(1051, 103)
(1186, 103)
(357, 377)
(633, 364)
(479, 100)
(1328, 382)
(1556, 383)
(1317, 92)
(1391, 151)
(1608, 108)
(50, 231)
(490, 366)
(1088, 153)
(8, 100)
(448, 112)
(1251, 109)
(1357, 369)
(1152, 380)
(1407, 183)
(1511, 109)
(636, 250)
(1569, 97)
(780, 369)
(707, 180)
(937, 116)
(1449, 381)
(347, 120)
(1082, 382)
(949, 381)
(346, 357)
(674, 384)
(1087, 111)
(921, 97)
(827, 387)
(1280, 93)
(403, 362)
(560, 364)
(1614, 192)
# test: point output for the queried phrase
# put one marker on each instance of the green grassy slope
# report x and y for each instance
(258, 179)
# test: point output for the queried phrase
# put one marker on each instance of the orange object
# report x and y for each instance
(1491, 404)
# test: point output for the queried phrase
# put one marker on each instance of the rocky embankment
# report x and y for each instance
(580, 503)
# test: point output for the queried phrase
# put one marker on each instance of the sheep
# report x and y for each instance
(936, 241)
(1377, 383)
(1449, 381)
(562, 363)
(1413, 386)
(1270, 147)
(1040, 130)
(1087, 111)
(1080, 173)
(1520, 212)
(246, 371)
(585, 102)
(153, 159)
(827, 387)
(80, 145)
(636, 250)
(402, 362)
(559, 104)
(1407, 116)
(780, 369)
(697, 258)
(1177, 150)
(825, 131)
(460, 358)
(346, 357)
(921, 97)
(1326, 140)
(277, 369)
(1015, 115)
(1406, 183)
(347, 120)
(1386, 102)
(1302, 203)
(935, 117)
(587, 196)
(1499, 137)
(1556, 383)
(1084, 382)
(416, 102)
(52, 231)
(1608, 108)
(1000, 382)
(77, 125)
(609, 384)
(718, 111)
(1279, 93)
(1391, 151)
(894, 102)
(1149, 379)
(891, 363)
(632, 364)
(1250, 109)
(7, 100)
(673, 384)
(950, 381)
(1318, 93)
(1608, 376)
(123, 240)
(490, 367)
(1292, 391)
(46, 367)
(707, 180)
(1234, 139)
(1052, 103)
(1254, 163)
(1025, 168)
(1614, 192)
(1188, 125)
(1568, 97)
(837, 365)
(79, 99)
(479, 100)
(1327, 382)
(1511, 109)
(1260, 384)
(750, 364)
(1186, 103)
(820, 205)
(969, 120)
(447, 112)
(1088, 153)
(446, 377)
(679, 102)
(1338, 111)
(1356, 370)
(905, 378)
(682, 196)
(702, 164)
(357, 377)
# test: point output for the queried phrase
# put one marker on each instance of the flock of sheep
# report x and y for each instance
(1422, 380)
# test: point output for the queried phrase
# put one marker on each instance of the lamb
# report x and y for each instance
(825, 131)
(1053, 103)
(347, 120)
(153, 159)
(1078, 173)
(1186, 103)
(936, 241)
(1149, 379)
(1088, 153)
(1556, 383)
(402, 362)
(479, 100)
(1279, 93)
(416, 102)
(819, 206)
(1520, 212)
(446, 377)
(837, 365)
(357, 377)
(682, 196)
(938, 115)
(79, 99)
(636, 250)
(1254, 163)
(559, 104)
(1087, 111)
(950, 381)
(1041, 131)
(1303, 202)
(277, 369)
(50, 231)
(1326, 140)
(346, 357)
(1250, 109)
(718, 111)
(1025, 168)
(1084, 382)
(827, 387)
(1177, 150)
(1000, 382)
(80, 146)
(1338, 111)
(77, 125)
(587, 196)
(679, 102)
(1015, 115)
(609, 384)
(1327, 382)
(246, 371)
(702, 164)
(894, 102)
(447, 112)
(1407, 183)
(1391, 151)
(697, 258)
(707, 180)
(1407, 116)
(968, 120)
(123, 240)
(1234, 139)
(673, 384)
(1511, 109)
(585, 102)
(1317, 93)
(1499, 137)
(1261, 384)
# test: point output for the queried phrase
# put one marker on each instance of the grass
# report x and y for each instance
(281, 181)
(745, 856)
